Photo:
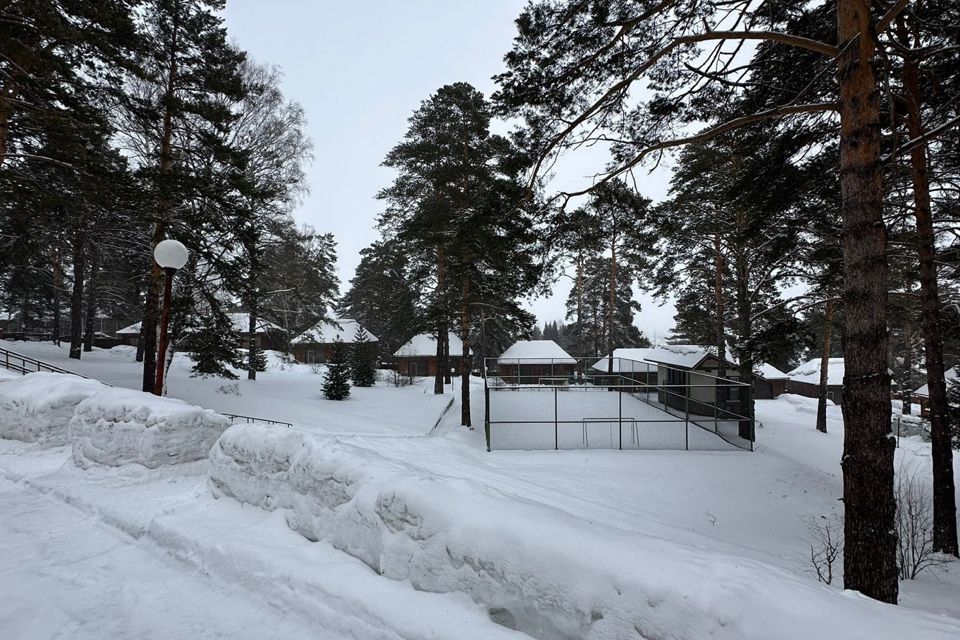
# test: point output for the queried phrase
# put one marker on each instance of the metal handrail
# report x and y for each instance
(37, 365)
(34, 365)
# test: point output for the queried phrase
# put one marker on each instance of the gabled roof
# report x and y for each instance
(768, 372)
(626, 360)
(924, 391)
(535, 352)
(134, 328)
(327, 333)
(809, 372)
(425, 344)
(684, 356)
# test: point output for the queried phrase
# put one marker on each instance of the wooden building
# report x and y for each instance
(768, 382)
(418, 356)
(805, 380)
(316, 343)
(921, 396)
(536, 362)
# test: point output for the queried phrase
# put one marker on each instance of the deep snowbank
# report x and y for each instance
(119, 426)
(37, 407)
(538, 569)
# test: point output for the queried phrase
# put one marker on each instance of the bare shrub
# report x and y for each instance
(914, 522)
(825, 541)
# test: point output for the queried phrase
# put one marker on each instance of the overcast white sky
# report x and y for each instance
(360, 69)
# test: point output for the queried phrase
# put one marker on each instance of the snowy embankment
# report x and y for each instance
(536, 568)
(119, 426)
(38, 407)
(105, 425)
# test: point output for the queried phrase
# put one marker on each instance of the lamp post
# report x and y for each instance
(170, 255)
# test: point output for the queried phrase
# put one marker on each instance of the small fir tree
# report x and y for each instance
(215, 347)
(259, 360)
(362, 365)
(336, 379)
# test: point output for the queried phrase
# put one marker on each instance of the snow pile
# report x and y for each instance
(120, 426)
(536, 568)
(37, 407)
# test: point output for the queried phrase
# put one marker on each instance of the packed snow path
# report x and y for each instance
(64, 574)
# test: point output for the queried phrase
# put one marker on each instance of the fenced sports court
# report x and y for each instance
(613, 403)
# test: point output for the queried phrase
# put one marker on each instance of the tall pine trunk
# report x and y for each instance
(252, 347)
(612, 302)
(441, 325)
(944, 489)
(91, 300)
(465, 364)
(720, 336)
(57, 288)
(76, 296)
(869, 561)
(824, 367)
(745, 344)
(151, 317)
(906, 382)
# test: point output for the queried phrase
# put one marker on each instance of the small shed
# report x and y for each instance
(768, 382)
(536, 362)
(687, 377)
(921, 396)
(316, 343)
(418, 356)
(129, 335)
(805, 380)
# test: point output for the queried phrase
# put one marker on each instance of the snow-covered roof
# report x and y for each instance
(626, 360)
(134, 328)
(240, 322)
(809, 372)
(924, 391)
(535, 352)
(685, 356)
(327, 333)
(768, 372)
(425, 344)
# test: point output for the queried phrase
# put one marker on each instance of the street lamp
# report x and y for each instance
(170, 255)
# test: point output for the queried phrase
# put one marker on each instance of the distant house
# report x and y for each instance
(768, 382)
(129, 335)
(536, 362)
(418, 356)
(805, 380)
(268, 334)
(316, 343)
(921, 396)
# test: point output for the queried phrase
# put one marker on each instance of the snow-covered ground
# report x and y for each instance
(697, 526)
(290, 393)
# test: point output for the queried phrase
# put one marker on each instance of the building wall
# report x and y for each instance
(536, 373)
(423, 366)
(834, 392)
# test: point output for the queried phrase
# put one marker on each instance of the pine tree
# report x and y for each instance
(336, 379)
(362, 360)
(215, 346)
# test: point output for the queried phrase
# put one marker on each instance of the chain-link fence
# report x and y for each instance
(613, 403)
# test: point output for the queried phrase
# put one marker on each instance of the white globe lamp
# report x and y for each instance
(170, 254)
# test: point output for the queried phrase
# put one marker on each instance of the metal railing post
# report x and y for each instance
(686, 420)
(486, 412)
(556, 416)
(620, 416)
